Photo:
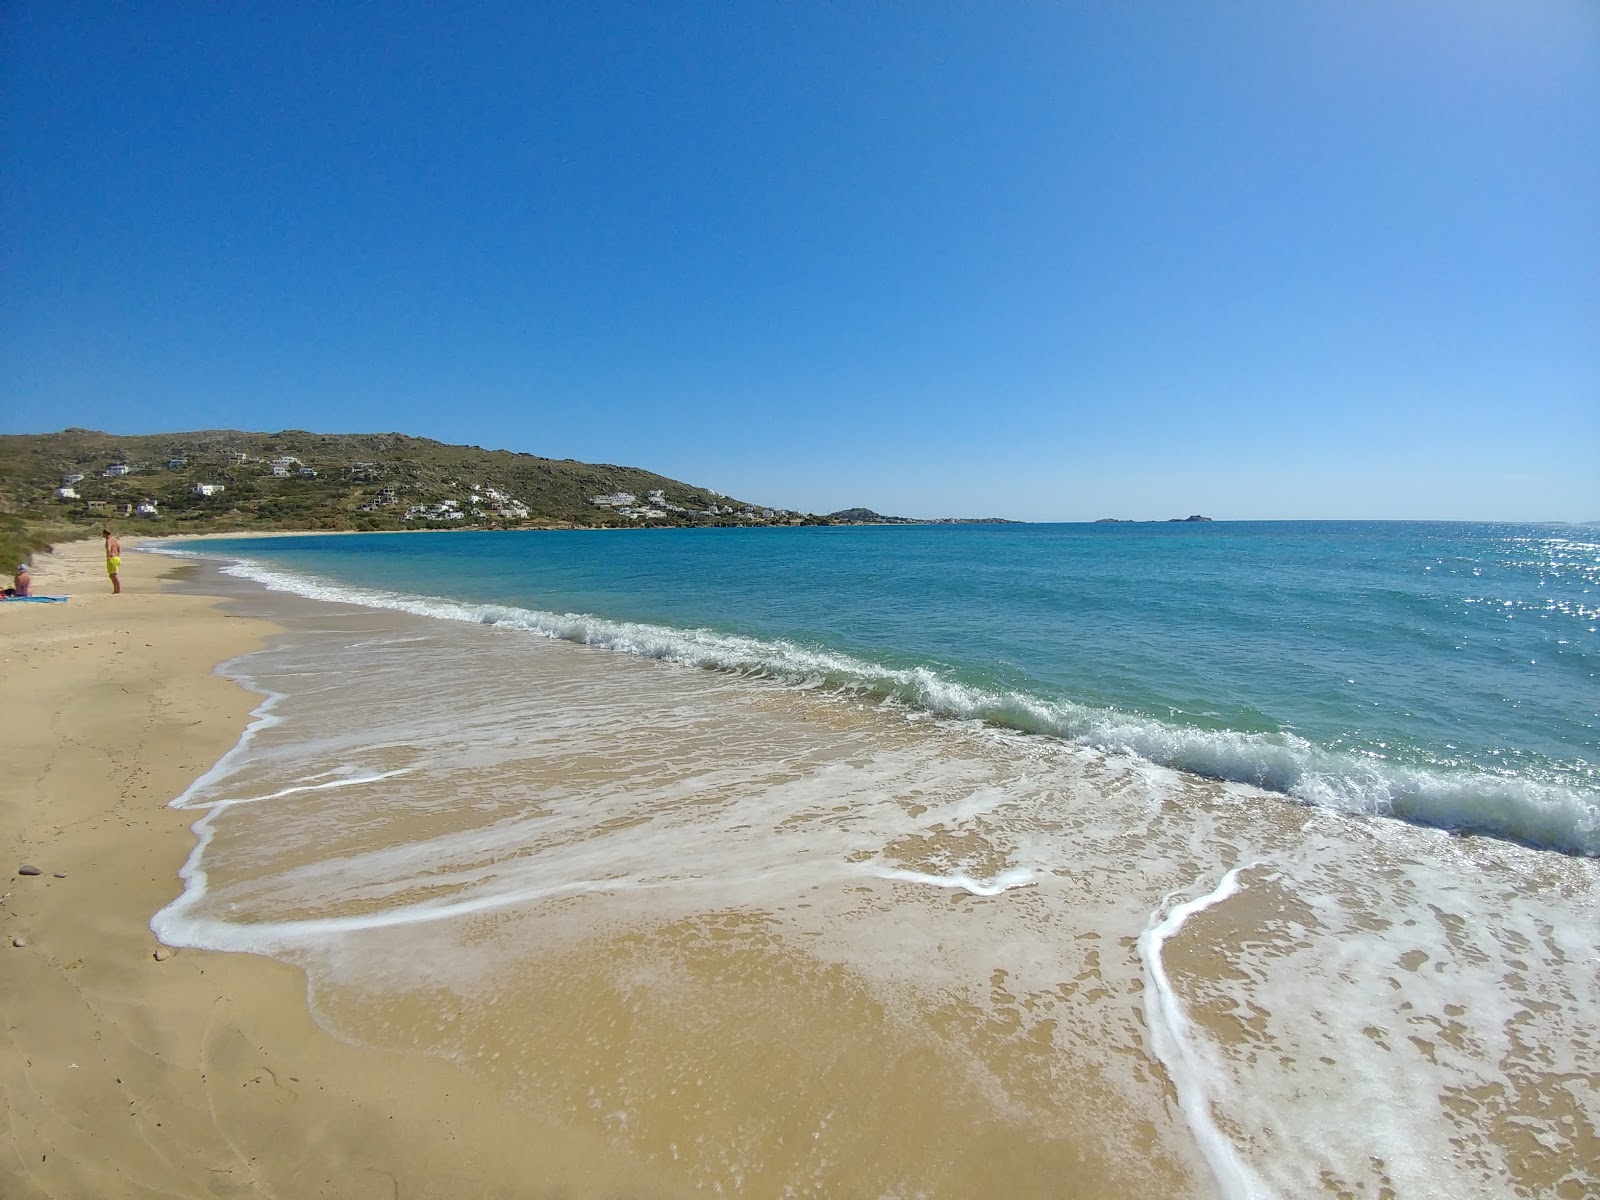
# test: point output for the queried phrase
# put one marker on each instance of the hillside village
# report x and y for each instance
(224, 479)
(60, 486)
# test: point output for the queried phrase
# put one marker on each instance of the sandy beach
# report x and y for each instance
(545, 919)
(130, 1070)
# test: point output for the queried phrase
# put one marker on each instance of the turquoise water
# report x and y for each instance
(897, 805)
(1442, 673)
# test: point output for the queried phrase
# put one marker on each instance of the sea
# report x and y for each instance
(1172, 859)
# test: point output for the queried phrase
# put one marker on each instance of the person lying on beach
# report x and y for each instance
(113, 560)
(24, 581)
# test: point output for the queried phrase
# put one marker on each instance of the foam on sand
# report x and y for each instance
(1540, 813)
(1177, 1044)
(595, 877)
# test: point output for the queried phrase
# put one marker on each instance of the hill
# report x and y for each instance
(865, 516)
(57, 486)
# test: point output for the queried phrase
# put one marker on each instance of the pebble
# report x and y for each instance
(19, 940)
(29, 869)
(162, 954)
(61, 874)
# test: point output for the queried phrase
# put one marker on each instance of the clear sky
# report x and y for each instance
(1054, 261)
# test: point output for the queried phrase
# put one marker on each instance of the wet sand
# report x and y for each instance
(770, 941)
(678, 1020)
(196, 1074)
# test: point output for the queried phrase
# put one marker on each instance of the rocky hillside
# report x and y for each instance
(226, 479)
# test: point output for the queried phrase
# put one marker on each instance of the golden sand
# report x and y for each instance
(192, 1074)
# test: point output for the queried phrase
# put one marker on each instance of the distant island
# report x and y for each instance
(865, 516)
(1170, 520)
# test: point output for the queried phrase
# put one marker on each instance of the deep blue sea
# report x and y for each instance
(1440, 673)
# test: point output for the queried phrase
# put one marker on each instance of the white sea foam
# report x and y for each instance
(1545, 815)
(1425, 996)
(175, 925)
(1017, 877)
(1178, 1045)
(348, 781)
(429, 819)
(175, 916)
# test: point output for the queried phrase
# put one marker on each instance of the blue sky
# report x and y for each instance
(1051, 261)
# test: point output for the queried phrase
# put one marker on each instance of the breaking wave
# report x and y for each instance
(1542, 815)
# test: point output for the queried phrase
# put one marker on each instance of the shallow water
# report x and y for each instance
(784, 940)
(1446, 674)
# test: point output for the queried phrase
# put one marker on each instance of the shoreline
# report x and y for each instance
(606, 1002)
(1422, 794)
(127, 1068)
(577, 1038)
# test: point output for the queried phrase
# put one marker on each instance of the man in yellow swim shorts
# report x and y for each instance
(113, 559)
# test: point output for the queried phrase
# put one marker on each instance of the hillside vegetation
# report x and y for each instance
(300, 480)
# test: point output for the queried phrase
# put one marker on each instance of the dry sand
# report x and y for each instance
(193, 1074)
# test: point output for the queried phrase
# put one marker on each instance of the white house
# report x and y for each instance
(445, 510)
(115, 470)
(501, 503)
(69, 480)
(280, 471)
(177, 464)
(614, 500)
(208, 489)
(146, 508)
(307, 472)
(67, 493)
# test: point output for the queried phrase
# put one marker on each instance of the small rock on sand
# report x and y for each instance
(29, 869)
(162, 954)
(61, 874)
(19, 940)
